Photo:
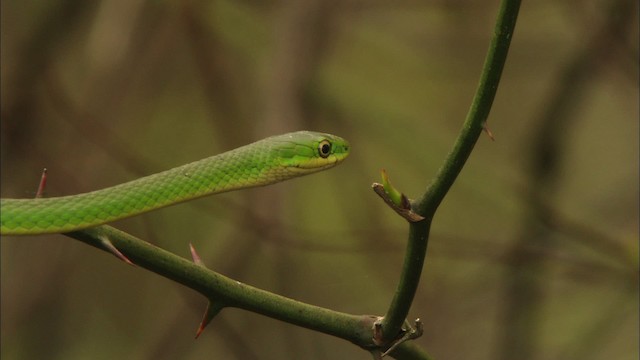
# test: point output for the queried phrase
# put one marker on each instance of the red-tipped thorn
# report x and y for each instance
(194, 255)
(112, 249)
(203, 324)
(209, 314)
(42, 185)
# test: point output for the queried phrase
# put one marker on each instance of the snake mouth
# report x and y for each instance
(315, 165)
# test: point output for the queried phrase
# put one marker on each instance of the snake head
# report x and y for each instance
(305, 152)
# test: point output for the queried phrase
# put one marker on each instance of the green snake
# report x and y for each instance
(264, 162)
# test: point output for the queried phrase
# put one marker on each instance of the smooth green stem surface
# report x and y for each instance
(427, 204)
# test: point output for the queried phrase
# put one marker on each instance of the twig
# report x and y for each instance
(427, 204)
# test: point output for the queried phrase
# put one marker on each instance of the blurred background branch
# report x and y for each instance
(527, 278)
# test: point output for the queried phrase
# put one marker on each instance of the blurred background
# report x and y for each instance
(533, 253)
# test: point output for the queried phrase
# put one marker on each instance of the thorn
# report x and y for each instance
(195, 256)
(488, 132)
(419, 329)
(377, 331)
(42, 185)
(211, 311)
(408, 333)
(377, 354)
(112, 249)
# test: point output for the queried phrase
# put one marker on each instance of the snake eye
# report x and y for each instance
(324, 148)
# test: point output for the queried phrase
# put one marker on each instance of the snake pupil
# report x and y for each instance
(324, 148)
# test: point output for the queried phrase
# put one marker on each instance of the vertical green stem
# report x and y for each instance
(427, 204)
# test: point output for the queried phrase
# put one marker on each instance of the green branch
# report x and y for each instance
(428, 203)
(226, 292)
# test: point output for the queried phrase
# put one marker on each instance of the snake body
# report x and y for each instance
(264, 162)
